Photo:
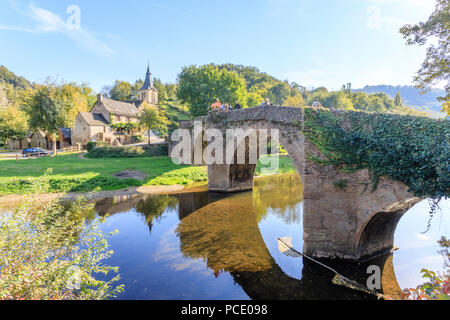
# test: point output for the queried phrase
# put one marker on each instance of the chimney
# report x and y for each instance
(100, 97)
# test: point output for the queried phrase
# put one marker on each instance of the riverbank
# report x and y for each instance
(13, 200)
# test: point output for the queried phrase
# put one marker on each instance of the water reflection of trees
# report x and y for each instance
(282, 194)
(153, 206)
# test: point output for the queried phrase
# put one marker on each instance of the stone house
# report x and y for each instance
(20, 144)
(40, 139)
(101, 123)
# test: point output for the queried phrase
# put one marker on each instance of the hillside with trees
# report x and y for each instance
(411, 96)
(198, 87)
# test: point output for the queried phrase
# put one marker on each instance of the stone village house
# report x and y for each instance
(96, 125)
(39, 139)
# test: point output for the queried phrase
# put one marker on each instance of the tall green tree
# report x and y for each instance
(279, 93)
(153, 118)
(398, 99)
(200, 86)
(13, 124)
(49, 107)
(162, 93)
(436, 67)
(121, 90)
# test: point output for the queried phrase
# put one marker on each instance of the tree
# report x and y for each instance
(13, 125)
(200, 86)
(398, 99)
(50, 107)
(162, 93)
(279, 93)
(152, 118)
(121, 91)
(436, 66)
(171, 90)
(339, 100)
(138, 84)
(347, 88)
(295, 100)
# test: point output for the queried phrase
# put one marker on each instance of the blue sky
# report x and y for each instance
(312, 42)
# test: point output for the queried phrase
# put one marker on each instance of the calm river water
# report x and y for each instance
(200, 245)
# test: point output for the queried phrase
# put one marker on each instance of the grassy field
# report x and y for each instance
(71, 173)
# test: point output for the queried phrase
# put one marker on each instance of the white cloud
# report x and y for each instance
(49, 22)
(157, 4)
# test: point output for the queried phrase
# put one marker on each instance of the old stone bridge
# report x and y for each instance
(349, 223)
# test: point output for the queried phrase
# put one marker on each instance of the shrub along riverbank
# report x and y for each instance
(128, 151)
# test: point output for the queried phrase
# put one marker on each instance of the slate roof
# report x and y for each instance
(94, 119)
(66, 132)
(121, 108)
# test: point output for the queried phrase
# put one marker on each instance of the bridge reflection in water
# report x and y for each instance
(223, 231)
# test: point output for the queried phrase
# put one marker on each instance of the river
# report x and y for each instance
(200, 245)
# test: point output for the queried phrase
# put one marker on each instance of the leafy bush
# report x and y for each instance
(94, 144)
(128, 151)
(137, 138)
(51, 253)
(437, 287)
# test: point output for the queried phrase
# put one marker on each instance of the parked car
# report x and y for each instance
(36, 152)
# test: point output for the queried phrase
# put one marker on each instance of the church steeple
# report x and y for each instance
(148, 93)
(148, 83)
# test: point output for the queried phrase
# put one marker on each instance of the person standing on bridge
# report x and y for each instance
(237, 106)
(216, 105)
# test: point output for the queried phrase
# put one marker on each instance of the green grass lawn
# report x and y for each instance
(70, 173)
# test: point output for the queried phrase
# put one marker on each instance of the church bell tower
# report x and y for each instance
(148, 93)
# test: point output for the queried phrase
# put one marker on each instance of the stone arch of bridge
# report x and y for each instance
(239, 177)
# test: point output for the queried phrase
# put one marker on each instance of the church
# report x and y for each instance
(103, 122)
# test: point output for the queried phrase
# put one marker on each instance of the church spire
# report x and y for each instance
(148, 83)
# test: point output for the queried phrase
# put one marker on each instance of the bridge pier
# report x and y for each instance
(230, 178)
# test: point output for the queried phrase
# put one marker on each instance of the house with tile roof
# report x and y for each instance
(108, 118)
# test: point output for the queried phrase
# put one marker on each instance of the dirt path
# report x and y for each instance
(82, 156)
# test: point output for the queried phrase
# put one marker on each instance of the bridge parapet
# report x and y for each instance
(284, 115)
